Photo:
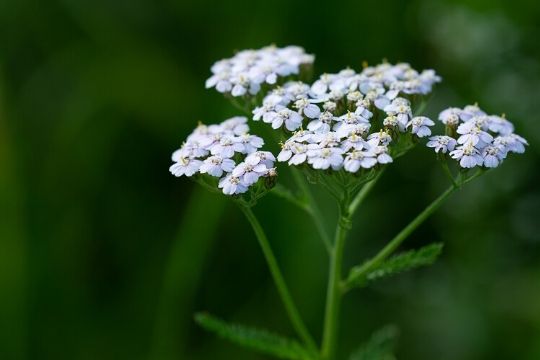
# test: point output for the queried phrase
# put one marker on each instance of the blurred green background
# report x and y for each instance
(105, 255)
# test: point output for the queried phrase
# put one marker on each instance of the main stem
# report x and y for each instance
(333, 295)
(283, 291)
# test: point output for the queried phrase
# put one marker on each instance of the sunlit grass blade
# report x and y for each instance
(256, 339)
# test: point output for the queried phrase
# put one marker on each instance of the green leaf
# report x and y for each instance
(255, 339)
(359, 276)
(379, 347)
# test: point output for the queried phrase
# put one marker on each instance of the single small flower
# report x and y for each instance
(441, 143)
(306, 108)
(493, 156)
(324, 158)
(291, 119)
(356, 159)
(231, 185)
(249, 143)
(216, 166)
(471, 133)
(249, 174)
(185, 166)
(226, 147)
(450, 116)
(420, 126)
(261, 157)
(468, 156)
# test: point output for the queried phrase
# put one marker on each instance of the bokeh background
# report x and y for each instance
(105, 255)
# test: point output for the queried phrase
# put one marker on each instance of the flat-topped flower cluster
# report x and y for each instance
(344, 121)
(475, 138)
(226, 151)
(245, 72)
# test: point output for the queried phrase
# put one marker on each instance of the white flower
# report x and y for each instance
(322, 123)
(232, 185)
(511, 143)
(419, 126)
(236, 125)
(401, 109)
(323, 158)
(291, 119)
(226, 147)
(299, 154)
(467, 155)
(261, 157)
(391, 121)
(381, 152)
(348, 130)
(441, 143)
(493, 156)
(249, 143)
(500, 125)
(450, 116)
(358, 158)
(305, 107)
(216, 166)
(471, 133)
(249, 174)
(380, 137)
(470, 111)
(185, 166)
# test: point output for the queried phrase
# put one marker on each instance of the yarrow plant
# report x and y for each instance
(339, 132)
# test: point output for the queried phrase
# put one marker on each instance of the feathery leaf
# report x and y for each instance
(255, 339)
(408, 260)
(379, 347)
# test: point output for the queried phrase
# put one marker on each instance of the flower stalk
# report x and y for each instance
(277, 276)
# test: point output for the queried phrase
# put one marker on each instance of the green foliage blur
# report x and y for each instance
(105, 255)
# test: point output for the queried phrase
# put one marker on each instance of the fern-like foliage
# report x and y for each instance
(379, 347)
(359, 276)
(255, 339)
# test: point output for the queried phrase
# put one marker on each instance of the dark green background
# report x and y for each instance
(105, 255)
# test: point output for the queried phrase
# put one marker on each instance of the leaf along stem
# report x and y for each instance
(277, 276)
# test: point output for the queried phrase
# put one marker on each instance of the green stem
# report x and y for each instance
(403, 234)
(283, 291)
(313, 209)
(333, 295)
(362, 194)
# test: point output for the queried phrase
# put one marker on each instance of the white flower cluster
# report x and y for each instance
(337, 111)
(216, 149)
(481, 139)
(249, 69)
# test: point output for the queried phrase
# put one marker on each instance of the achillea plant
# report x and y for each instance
(340, 132)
